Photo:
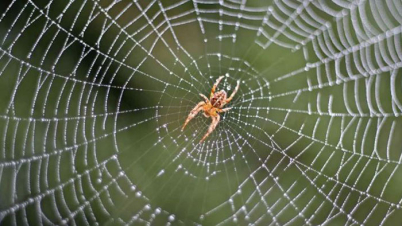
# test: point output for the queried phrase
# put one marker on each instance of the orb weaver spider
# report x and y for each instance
(212, 106)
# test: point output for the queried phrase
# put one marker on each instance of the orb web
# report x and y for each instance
(93, 95)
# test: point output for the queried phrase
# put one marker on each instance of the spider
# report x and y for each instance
(212, 106)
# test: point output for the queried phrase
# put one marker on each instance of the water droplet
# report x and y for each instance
(161, 173)
(171, 217)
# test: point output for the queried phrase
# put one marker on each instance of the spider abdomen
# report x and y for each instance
(218, 99)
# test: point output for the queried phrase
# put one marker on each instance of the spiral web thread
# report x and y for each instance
(94, 94)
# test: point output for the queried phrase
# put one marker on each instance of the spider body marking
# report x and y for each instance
(218, 98)
(212, 107)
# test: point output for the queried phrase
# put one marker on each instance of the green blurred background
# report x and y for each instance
(93, 95)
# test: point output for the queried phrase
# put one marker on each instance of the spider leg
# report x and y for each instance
(193, 113)
(215, 121)
(224, 110)
(205, 98)
(215, 85)
(234, 92)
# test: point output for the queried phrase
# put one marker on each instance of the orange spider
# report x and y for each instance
(212, 107)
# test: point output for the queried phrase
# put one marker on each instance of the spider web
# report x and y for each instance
(93, 95)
